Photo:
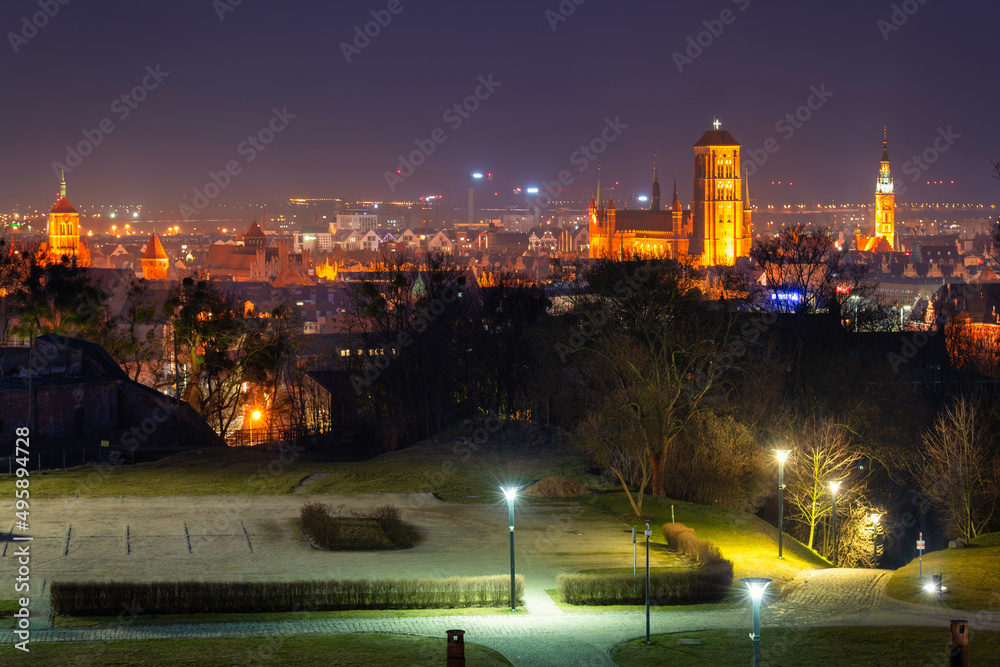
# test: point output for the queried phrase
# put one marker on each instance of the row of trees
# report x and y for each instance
(199, 341)
(688, 394)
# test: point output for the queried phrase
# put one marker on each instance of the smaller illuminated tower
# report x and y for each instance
(155, 263)
(885, 199)
(64, 230)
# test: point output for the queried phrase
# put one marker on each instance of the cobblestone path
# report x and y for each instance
(548, 636)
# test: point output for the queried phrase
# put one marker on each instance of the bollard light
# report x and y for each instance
(510, 492)
(782, 454)
(756, 585)
(834, 487)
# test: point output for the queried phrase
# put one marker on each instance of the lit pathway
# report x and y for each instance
(548, 636)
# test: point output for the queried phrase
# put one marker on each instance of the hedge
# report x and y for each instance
(197, 597)
(708, 583)
(377, 529)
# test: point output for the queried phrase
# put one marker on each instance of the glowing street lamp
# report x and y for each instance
(782, 455)
(510, 492)
(834, 486)
(875, 518)
(756, 586)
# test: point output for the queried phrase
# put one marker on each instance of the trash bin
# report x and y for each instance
(959, 644)
(456, 648)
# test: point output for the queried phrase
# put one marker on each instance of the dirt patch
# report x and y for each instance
(556, 487)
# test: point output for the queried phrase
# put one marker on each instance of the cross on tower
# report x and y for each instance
(717, 123)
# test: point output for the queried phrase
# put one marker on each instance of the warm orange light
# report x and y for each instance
(256, 415)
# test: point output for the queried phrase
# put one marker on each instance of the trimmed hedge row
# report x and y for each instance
(197, 597)
(377, 529)
(683, 539)
(708, 583)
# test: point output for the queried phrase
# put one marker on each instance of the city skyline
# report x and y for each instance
(211, 76)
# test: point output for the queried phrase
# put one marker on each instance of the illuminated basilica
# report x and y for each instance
(715, 231)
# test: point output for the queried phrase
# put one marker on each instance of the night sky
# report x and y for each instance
(607, 60)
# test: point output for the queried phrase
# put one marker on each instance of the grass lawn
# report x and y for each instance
(971, 575)
(7, 609)
(301, 651)
(188, 619)
(436, 467)
(750, 543)
(809, 647)
(457, 475)
(215, 471)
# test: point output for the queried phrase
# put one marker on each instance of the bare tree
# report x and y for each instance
(719, 461)
(615, 446)
(858, 541)
(823, 454)
(805, 272)
(651, 353)
(957, 468)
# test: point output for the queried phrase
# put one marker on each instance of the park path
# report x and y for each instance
(549, 636)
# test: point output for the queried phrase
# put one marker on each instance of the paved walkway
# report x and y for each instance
(549, 636)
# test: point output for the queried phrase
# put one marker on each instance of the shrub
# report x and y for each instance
(718, 462)
(197, 597)
(707, 583)
(683, 539)
(703, 584)
(377, 529)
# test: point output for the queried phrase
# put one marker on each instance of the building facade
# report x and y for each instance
(717, 229)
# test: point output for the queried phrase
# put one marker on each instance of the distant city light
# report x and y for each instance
(477, 175)
(532, 191)
(643, 198)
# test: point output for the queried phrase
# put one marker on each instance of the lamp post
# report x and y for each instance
(875, 518)
(834, 486)
(782, 455)
(648, 534)
(509, 493)
(756, 586)
(255, 420)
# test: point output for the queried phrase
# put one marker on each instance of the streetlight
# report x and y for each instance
(648, 534)
(833, 492)
(509, 493)
(756, 586)
(875, 518)
(782, 455)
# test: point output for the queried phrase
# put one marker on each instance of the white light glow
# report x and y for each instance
(756, 586)
(509, 492)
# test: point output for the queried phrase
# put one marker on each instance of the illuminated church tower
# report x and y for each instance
(155, 263)
(64, 231)
(721, 223)
(885, 199)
